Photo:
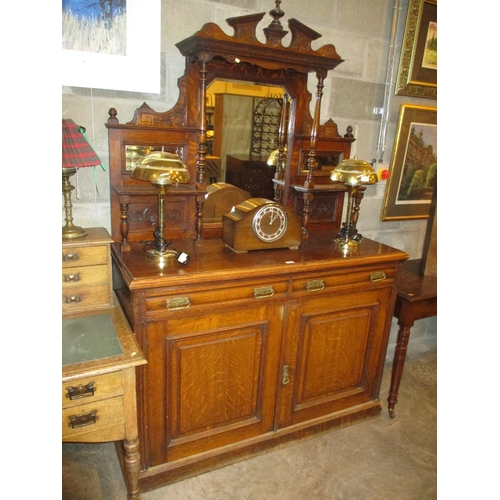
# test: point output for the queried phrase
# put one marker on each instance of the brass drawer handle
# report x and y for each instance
(178, 303)
(83, 419)
(73, 299)
(315, 285)
(377, 276)
(263, 292)
(81, 391)
(71, 278)
(70, 257)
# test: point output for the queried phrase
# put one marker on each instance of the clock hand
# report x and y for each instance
(273, 216)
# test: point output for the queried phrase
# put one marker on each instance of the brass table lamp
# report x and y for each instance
(76, 153)
(161, 169)
(353, 173)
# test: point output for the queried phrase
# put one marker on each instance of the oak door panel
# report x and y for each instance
(332, 351)
(218, 382)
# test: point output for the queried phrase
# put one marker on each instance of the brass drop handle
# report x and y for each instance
(263, 292)
(377, 276)
(286, 377)
(315, 285)
(81, 391)
(83, 419)
(70, 257)
(73, 299)
(177, 303)
(71, 278)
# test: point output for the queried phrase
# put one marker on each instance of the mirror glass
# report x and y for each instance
(243, 123)
(134, 152)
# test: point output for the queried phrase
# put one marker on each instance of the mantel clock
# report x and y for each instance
(258, 224)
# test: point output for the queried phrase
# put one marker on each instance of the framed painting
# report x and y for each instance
(112, 44)
(417, 75)
(413, 180)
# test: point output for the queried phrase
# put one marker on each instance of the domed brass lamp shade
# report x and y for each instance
(353, 173)
(161, 169)
(272, 160)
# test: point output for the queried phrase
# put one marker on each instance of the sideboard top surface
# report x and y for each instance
(211, 260)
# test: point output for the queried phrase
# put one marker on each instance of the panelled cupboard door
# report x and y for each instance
(211, 379)
(332, 354)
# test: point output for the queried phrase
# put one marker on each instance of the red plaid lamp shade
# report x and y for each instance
(76, 151)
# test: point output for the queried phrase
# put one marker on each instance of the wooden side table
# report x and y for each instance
(416, 299)
(99, 356)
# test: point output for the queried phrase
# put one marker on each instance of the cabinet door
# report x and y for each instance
(333, 351)
(211, 379)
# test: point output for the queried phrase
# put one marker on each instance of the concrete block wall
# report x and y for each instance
(361, 32)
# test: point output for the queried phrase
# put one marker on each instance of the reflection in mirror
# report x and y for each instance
(326, 161)
(243, 122)
(134, 152)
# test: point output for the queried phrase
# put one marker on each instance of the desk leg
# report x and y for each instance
(405, 323)
(132, 468)
(131, 459)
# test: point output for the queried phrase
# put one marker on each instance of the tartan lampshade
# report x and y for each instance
(76, 151)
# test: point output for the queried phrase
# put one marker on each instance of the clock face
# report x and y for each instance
(270, 223)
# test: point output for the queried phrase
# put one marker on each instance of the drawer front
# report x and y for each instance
(85, 297)
(216, 297)
(88, 389)
(361, 279)
(84, 275)
(85, 256)
(91, 418)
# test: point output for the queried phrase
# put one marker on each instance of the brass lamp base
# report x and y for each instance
(161, 256)
(349, 243)
(69, 230)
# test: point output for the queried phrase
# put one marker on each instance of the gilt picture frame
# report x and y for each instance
(413, 168)
(417, 74)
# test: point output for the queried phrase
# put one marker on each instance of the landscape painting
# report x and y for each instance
(107, 43)
(95, 26)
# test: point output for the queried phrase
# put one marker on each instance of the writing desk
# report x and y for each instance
(416, 299)
(99, 356)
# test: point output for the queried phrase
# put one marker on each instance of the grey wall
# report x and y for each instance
(361, 32)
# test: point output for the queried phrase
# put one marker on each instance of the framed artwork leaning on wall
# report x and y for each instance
(413, 180)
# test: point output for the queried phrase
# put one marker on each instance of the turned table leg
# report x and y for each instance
(132, 469)
(131, 459)
(405, 323)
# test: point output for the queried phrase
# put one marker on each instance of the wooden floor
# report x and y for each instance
(380, 458)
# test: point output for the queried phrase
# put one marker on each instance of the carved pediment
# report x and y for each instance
(244, 46)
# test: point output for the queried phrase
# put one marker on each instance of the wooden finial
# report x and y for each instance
(277, 14)
(112, 116)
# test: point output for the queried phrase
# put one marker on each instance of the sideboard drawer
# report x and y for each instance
(231, 295)
(93, 418)
(85, 297)
(85, 256)
(90, 389)
(361, 278)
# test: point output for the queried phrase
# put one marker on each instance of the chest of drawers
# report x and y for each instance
(86, 272)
